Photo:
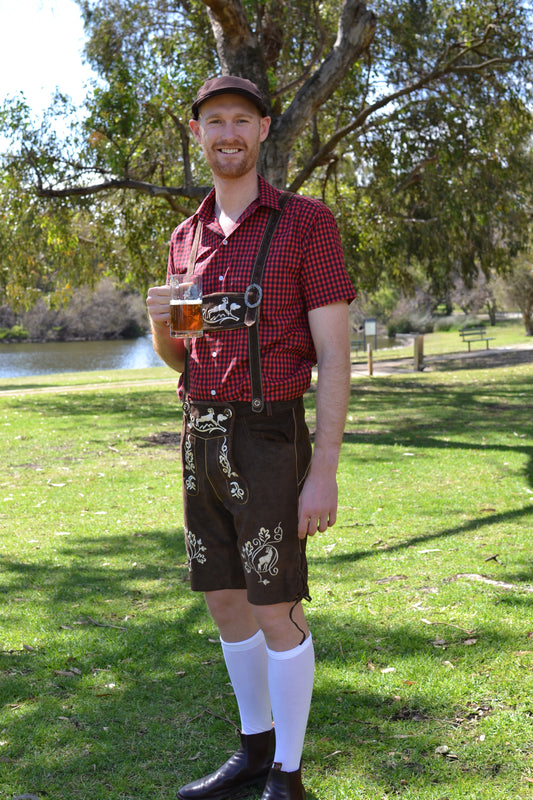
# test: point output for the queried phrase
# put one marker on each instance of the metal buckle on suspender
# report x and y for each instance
(255, 290)
(252, 299)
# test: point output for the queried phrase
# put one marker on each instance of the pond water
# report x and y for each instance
(24, 359)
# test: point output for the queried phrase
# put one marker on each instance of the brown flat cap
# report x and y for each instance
(229, 84)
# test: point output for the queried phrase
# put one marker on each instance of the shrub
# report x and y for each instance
(413, 323)
(105, 313)
(16, 332)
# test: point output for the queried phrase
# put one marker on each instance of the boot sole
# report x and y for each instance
(242, 791)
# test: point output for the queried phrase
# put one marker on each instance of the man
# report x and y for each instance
(253, 491)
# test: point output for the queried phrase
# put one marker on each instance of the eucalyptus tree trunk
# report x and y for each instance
(240, 53)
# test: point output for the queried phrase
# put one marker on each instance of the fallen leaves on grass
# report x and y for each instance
(90, 621)
(391, 578)
(444, 750)
(67, 673)
(443, 643)
(474, 576)
(478, 711)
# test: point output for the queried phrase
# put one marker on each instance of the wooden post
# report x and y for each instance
(419, 352)
(370, 359)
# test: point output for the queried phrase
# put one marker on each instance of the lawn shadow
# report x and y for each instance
(457, 530)
(145, 694)
(125, 694)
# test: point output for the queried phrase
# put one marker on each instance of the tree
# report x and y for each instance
(471, 299)
(462, 213)
(367, 105)
(519, 290)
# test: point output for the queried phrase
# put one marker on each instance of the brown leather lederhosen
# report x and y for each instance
(226, 311)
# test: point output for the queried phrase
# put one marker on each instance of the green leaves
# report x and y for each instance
(419, 141)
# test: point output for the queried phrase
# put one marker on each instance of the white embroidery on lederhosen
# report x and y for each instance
(235, 488)
(222, 313)
(261, 554)
(195, 550)
(190, 466)
(209, 423)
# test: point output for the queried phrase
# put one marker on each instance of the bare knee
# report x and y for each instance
(283, 624)
(232, 614)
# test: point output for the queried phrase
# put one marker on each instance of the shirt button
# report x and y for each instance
(213, 392)
(224, 241)
(215, 354)
(221, 277)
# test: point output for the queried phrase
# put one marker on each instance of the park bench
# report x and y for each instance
(475, 334)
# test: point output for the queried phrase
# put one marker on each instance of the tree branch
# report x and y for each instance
(414, 175)
(355, 32)
(449, 68)
(168, 193)
(319, 49)
(183, 133)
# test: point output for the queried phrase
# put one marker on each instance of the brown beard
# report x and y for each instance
(232, 166)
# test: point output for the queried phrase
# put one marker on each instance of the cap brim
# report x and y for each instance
(258, 103)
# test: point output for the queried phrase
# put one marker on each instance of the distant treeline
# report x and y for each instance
(106, 312)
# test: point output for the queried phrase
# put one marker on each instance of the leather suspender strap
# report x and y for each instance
(194, 247)
(190, 270)
(253, 294)
(252, 299)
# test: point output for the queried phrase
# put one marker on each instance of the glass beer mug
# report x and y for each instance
(186, 306)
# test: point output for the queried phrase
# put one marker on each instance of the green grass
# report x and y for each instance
(112, 683)
(96, 378)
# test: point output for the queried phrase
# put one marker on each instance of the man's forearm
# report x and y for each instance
(318, 499)
(171, 351)
(332, 396)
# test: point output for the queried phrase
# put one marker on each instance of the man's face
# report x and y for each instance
(230, 130)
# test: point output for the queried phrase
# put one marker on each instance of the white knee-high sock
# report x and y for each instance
(290, 678)
(247, 666)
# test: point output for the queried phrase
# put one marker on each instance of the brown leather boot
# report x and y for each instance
(284, 785)
(249, 766)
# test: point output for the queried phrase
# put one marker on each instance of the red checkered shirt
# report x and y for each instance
(304, 270)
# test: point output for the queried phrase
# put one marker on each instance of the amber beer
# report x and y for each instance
(186, 318)
(186, 306)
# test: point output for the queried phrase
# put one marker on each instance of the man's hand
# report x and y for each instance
(172, 351)
(158, 304)
(317, 508)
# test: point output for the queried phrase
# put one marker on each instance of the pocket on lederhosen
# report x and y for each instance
(207, 445)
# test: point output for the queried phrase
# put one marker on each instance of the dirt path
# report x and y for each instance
(451, 362)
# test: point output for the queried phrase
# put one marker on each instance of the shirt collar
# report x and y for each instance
(268, 196)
